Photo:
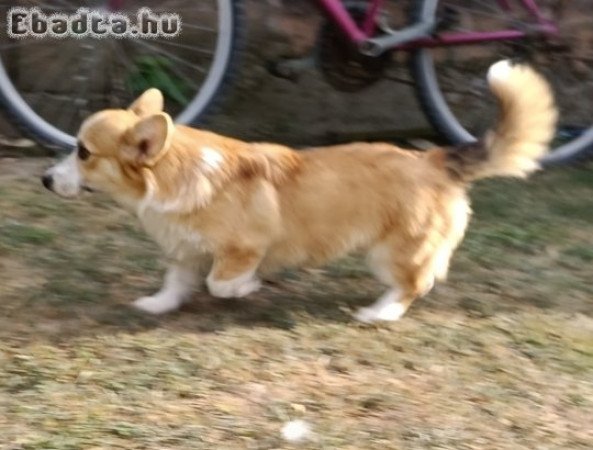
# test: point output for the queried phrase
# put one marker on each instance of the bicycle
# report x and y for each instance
(450, 42)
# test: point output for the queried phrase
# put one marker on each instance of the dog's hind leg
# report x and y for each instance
(389, 307)
(408, 281)
(233, 273)
(180, 281)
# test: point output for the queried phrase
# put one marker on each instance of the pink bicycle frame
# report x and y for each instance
(359, 34)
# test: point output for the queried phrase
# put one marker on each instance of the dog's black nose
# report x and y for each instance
(47, 181)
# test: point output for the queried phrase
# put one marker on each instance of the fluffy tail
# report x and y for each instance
(526, 125)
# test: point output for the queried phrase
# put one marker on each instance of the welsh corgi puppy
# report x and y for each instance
(245, 209)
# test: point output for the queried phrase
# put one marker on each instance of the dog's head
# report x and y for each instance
(113, 147)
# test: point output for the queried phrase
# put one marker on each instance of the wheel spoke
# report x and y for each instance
(199, 27)
(187, 47)
(22, 43)
(124, 63)
(169, 55)
(81, 79)
(60, 6)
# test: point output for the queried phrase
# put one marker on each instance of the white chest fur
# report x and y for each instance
(177, 240)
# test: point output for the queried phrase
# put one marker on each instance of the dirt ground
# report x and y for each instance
(500, 357)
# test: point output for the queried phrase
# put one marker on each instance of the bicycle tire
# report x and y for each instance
(198, 112)
(438, 112)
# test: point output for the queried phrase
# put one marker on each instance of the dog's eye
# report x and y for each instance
(83, 152)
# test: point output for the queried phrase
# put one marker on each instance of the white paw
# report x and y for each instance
(235, 288)
(157, 304)
(385, 313)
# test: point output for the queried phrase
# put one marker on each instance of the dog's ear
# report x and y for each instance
(151, 102)
(149, 139)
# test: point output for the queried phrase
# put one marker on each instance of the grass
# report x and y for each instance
(499, 357)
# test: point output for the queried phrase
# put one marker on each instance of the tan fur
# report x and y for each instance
(259, 207)
(526, 125)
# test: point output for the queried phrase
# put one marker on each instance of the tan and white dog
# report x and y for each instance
(251, 208)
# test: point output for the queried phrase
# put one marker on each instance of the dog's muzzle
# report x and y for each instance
(64, 178)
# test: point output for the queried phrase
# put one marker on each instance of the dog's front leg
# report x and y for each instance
(233, 273)
(180, 281)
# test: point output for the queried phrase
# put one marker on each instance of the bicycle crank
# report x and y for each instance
(342, 64)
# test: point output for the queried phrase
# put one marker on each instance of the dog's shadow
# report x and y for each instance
(281, 304)
(277, 305)
(290, 300)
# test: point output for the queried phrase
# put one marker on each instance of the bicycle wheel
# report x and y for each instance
(48, 86)
(451, 84)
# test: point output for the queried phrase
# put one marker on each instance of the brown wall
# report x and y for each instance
(308, 111)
